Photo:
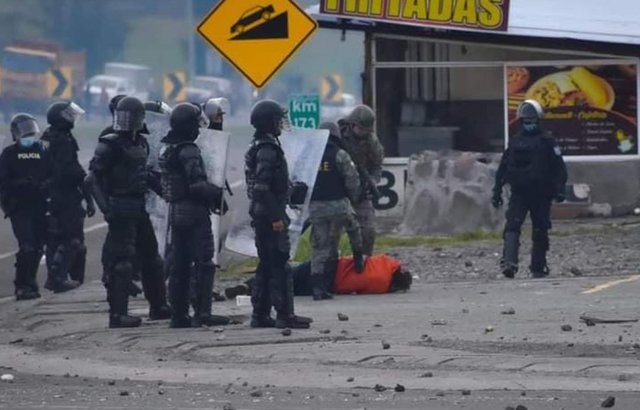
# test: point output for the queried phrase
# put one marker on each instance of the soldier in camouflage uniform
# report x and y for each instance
(361, 142)
(337, 185)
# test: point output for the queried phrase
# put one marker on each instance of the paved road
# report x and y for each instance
(476, 357)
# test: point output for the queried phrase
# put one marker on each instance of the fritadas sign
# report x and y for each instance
(485, 15)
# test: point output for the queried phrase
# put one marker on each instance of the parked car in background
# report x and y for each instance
(332, 111)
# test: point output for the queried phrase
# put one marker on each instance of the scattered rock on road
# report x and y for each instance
(624, 377)
(575, 271)
(609, 402)
(566, 328)
(286, 332)
(379, 388)
(325, 331)
(399, 388)
(256, 393)
(385, 346)
(350, 379)
(426, 375)
(509, 311)
(466, 392)
(228, 406)
(342, 317)
(6, 377)
(438, 322)
(489, 329)
(124, 393)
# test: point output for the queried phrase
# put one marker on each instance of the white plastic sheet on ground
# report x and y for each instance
(303, 149)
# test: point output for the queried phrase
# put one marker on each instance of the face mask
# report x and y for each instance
(27, 141)
(530, 128)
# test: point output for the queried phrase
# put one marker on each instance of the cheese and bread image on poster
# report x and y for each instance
(590, 109)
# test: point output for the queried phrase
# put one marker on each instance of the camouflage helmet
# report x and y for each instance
(333, 128)
(362, 116)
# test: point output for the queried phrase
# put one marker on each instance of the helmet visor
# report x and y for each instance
(128, 121)
(72, 112)
(26, 128)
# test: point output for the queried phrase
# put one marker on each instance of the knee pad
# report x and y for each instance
(122, 269)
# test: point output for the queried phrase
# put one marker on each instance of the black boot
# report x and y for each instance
(262, 321)
(162, 312)
(118, 297)
(538, 267)
(155, 290)
(77, 270)
(26, 294)
(509, 263)
(64, 286)
(318, 289)
(204, 295)
(180, 322)
(293, 322)
(358, 261)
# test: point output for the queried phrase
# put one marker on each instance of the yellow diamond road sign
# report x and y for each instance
(257, 36)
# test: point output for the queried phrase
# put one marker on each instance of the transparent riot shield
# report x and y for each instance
(214, 147)
(158, 209)
(303, 149)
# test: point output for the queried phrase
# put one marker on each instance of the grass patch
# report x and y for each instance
(386, 242)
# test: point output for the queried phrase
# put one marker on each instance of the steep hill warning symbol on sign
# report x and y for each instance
(259, 23)
(257, 36)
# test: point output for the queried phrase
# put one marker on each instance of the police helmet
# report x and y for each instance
(186, 117)
(333, 128)
(267, 117)
(215, 107)
(64, 113)
(114, 103)
(24, 125)
(129, 115)
(362, 116)
(530, 110)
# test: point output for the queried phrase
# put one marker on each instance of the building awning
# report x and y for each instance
(587, 20)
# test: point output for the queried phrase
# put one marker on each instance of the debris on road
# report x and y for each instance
(521, 407)
(385, 345)
(124, 393)
(342, 317)
(228, 406)
(595, 320)
(509, 311)
(466, 392)
(489, 329)
(350, 379)
(624, 377)
(399, 388)
(325, 331)
(575, 271)
(566, 328)
(379, 388)
(6, 377)
(609, 402)
(256, 393)
(13, 342)
(286, 332)
(426, 375)
(439, 322)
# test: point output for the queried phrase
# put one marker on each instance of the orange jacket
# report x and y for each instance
(376, 277)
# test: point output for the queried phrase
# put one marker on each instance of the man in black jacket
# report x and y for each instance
(119, 179)
(191, 199)
(25, 179)
(268, 189)
(66, 252)
(533, 167)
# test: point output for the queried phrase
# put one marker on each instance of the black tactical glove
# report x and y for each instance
(91, 209)
(496, 200)
(298, 193)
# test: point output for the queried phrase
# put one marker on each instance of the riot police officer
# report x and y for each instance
(25, 178)
(337, 186)
(66, 251)
(113, 103)
(191, 199)
(215, 109)
(268, 189)
(119, 179)
(362, 144)
(534, 169)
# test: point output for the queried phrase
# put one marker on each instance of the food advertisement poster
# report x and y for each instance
(590, 109)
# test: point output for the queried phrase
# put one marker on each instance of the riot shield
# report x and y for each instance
(214, 146)
(158, 209)
(303, 149)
